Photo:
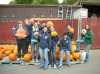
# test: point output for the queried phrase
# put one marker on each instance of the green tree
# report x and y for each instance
(45, 2)
(21, 2)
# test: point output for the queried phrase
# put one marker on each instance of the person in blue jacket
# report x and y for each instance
(34, 41)
(52, 51)
(44, 44)
(70, 35)
(21, 43)
(64, 47)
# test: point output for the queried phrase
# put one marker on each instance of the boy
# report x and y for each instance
(65, 47)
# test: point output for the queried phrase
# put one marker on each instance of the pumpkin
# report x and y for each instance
(57, 50)
(12, 57)
(83, 31)
(3, 50)
(29, 50)
(21, 33)
(27, 57)
(35, 19)
(71, 30)
(15, 52)
(53, 33)
(73, 42)
(49, 24)
(73, 47)
(1, 47)
(1, 56)
(7, 53)
(76, 55)
(71, 57)
(64, 57)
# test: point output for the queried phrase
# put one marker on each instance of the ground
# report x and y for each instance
(91, 67)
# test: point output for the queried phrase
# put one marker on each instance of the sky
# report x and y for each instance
(4, 1)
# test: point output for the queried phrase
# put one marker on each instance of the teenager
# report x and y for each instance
(70, 35)
(87, 39)
(44, 45)
(64, 47)
(21, 43)
(34, 42)
(52, 51)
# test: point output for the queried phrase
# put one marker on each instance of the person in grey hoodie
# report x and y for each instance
(44, 44)
(64, 47)
(21, 43)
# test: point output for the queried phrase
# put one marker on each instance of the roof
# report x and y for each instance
(87, 3)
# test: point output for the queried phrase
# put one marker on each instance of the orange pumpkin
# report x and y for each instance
(1, 56)
(73, 47)
(71, 30)
(1, 46)
(54, 33)
(76, 55)
(73, 42)
(3, 50)
(7, 53)
(12, 57)
(57, 50)
(15, 52)
(21, 33)
(0, 51)
(27, 57)
(71, 57)
(29, 50)
(49, 24)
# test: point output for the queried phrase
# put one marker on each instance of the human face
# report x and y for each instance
(26, 22)
(45, 29)
(65, 36)
(36, 25)
(20, 25)
(52, 28)
(68, 27)
(87, 27)
(43, 24)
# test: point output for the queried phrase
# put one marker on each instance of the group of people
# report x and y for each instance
(46, 44)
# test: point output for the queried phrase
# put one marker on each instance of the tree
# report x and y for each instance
(45, 2)
(21, 2)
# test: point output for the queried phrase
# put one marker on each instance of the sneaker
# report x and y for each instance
(41, 67)
(49, 66)
(37, 60)
(32, 61)
(55, 66)
(68, 65)
(21, 58)
(59, 67)
(45, 68)
(18, 59)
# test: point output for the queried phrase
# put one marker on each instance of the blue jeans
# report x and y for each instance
(44, 54)
(78, 42)
(37, 48)
(52, 52)
(68, 56)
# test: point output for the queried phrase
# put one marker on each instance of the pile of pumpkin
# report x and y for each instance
(11, 52)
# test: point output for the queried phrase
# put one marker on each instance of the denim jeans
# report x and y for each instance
(44, 54)
(78, 42)
(68, 56)
(37, 48)
(52, 52)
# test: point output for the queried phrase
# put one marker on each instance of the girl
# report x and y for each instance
(87, 40)
(54, 41)
(44, 44)
(34, 42)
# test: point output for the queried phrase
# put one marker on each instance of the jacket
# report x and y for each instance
(24, 29)
(71, 35)
(88, 38)
(65, 44)
(44, 41)
(54, 40)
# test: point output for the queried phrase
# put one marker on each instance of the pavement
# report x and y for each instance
(90, 67)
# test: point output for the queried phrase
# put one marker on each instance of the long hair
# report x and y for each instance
(88, 28)
(35, 28)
